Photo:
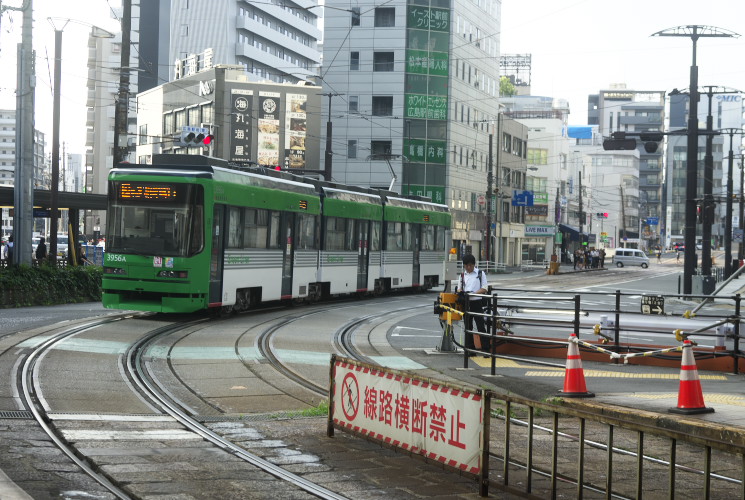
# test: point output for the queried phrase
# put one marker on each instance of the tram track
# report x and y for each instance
(342, 339)
(136, 370)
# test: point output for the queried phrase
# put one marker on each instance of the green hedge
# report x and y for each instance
(46, 285)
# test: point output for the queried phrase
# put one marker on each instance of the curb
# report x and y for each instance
(698, 428)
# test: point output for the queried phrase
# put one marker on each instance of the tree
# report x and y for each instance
(506, 88)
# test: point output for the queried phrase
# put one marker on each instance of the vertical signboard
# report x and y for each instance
(295, 130)
(268, 139)
(426, 100)
(438, 421)
(240, 125)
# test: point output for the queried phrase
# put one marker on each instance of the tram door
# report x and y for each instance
(287, 222)
(416, 236)
(216, 257)
(363, 237)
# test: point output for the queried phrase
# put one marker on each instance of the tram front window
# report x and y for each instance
(158, 219)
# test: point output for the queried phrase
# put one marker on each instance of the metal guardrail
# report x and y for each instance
(501, 321)
(552, 451)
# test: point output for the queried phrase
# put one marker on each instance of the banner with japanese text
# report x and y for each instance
(438, 421)
(268, 148)
(241, 127)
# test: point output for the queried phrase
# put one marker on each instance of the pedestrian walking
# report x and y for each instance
(41, 250)
(659, 254)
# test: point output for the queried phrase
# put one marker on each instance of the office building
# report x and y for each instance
(413, 91)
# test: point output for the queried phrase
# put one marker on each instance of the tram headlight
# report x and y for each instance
(114, 270)
(173, 274)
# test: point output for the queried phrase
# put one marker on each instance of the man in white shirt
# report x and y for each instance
(472, 280)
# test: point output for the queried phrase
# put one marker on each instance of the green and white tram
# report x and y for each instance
(190, 233)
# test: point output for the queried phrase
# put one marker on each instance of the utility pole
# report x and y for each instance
(23, 192)
(741, 224)
(581, 214)
(489, 184)
(54, 208)
(328, 155)
(694, 32)
(122, 101)
(728, 214)
(623, 216)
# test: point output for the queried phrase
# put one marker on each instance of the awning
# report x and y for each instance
(568, 229)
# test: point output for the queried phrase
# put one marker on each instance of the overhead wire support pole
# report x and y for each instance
(23, 191)
(122, 101)
(327, 162)
(694, 32)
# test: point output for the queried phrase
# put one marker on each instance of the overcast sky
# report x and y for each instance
(74, 61)
(578, 47)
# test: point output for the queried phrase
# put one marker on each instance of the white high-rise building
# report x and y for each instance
(414, 101)
(276, 40)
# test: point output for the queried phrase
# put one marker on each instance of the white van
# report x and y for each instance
(630, 257)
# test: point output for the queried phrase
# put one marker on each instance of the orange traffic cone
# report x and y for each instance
(574, 376)
(690, 395)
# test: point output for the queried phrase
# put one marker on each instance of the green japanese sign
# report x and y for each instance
(434, 193)
(426, 107)
(540, 198)
(425, 151)
(423, 62)
(424, 18)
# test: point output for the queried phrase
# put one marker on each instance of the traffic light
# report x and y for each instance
(651, 141)
(619, 142)
(208, 139)
(192, 136)
(602, 215)
(699, 214)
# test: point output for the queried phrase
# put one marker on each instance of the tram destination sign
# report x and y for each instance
(653, 304)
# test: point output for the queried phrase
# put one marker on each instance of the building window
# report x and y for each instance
(143, 134)
(383, 61)
(380, 147)
(352, 149)
(382, 105)
(355, 16)
(354, 61)
(354, 104)
(385, 17)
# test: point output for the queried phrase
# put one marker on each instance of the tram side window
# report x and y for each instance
(275, 230)
(440, 238)
(375, 236)
(306, 233)
(394, 237)
(255, 228)
(409, 237)
(428, 238)
(336, 233)
(235, 227)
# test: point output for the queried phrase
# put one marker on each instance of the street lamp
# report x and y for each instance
(694, 32)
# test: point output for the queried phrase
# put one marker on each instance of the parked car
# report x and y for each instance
(630, 257)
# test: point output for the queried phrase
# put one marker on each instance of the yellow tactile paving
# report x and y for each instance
(727, 399)
(608, 374)
(559, 372)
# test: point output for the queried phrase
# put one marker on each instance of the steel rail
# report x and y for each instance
(138, 372)
(30, 389)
